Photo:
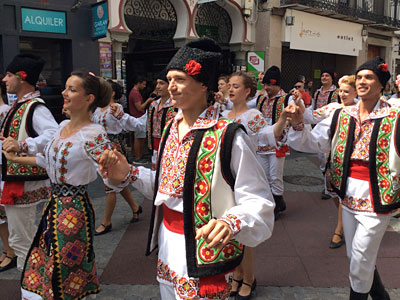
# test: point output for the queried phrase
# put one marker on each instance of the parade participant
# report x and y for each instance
(8, 258)
(158, 114)
(206, 221)
(326, 94)
(395, 99)
(113, 127)
(60, 263)
(364, 171)
(243, 87)
(272, 158)
(299, 85)
(27, 128)
(137, 108)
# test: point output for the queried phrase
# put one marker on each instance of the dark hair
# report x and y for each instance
(96, 86)
(249, 81)
(116, 88)
(138, 79)
(300, 78)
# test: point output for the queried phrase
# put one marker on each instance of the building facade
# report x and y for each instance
(306, 36)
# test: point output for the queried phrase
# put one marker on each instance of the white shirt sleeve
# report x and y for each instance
(130, 123)
(45, 126)
(255, 204)
(145, 182)
(314, 141)
(266, 136)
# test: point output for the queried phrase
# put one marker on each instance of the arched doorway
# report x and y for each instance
(150, 46)
(213, 21)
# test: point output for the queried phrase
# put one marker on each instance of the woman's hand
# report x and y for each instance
(219, 97)
(115, 109)
(294, 113)
(114, 166)
(216, 233)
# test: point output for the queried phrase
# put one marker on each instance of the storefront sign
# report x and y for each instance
(255, 64)
(311, 32)
(105, 60)
(43, 20)
(100, 19)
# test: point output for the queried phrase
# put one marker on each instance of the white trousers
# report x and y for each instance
(22, 228)
(273, 168)
(363, 235)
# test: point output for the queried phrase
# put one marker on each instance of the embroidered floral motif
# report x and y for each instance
(63, 161)
(75, 282)
(23, 146)
(73, 253)
(70, 221)
(33, 196)
(322, 98)
(234, 223)
(257, 123)
(358, 204)
(97, 146)
(187, 288)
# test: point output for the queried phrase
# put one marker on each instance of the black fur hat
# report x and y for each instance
(29, 65)
(379, 67)
(162, 75)
(199, 58)
(330, 71)
(272, 76)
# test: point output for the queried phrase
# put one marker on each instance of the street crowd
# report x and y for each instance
(218, 148)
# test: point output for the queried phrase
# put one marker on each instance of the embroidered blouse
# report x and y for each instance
(106, 119)
(252, 192)
(268, 105)
(312, 116)
(3, 112)
(256, 127)
(72, 160)
(318, 140)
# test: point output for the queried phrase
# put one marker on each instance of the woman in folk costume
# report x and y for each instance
(348, 95)
(242, 87)
(114, 129)
(211, 196)
(8, 259)
(60, 263)
(365, 171)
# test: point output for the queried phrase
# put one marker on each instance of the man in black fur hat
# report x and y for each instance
(26, 130)
(210, 194)
(364, 141)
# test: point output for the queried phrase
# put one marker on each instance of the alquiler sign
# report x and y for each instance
(43, 20)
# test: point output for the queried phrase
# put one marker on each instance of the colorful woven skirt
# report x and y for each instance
(60, 263)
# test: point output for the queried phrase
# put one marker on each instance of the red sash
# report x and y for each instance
(359, 169)
(11, 190)
(173, 220)
(156, 143)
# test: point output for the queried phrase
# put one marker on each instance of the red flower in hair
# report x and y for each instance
(383, 67)
(21, 75)
(193, 67)
(273, 81)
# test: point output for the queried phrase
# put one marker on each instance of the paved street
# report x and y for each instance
(296, 263)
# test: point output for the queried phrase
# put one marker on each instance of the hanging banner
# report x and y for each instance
(100, 19)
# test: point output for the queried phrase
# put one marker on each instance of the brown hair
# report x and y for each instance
(249, 81)
(224, 77)
(96, 86)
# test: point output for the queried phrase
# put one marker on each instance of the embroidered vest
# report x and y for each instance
(167, 114)
(384, 158)
(277, 108)
(18, 125)
(333, 97)
(207, 173)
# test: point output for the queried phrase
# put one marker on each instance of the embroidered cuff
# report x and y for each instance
(23, 146)
(120, 114)
(234, 223)
(131, 177)
(298, 127)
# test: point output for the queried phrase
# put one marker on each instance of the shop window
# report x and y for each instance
(214, 22)
(150, 19)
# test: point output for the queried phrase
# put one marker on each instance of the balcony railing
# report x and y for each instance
(340, 8)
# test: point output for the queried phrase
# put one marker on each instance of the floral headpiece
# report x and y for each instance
(193, 67)
(21, 75)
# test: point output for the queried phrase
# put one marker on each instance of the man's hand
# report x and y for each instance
(114, 166)
(10, 144)
(216, 233)
(219, 97)
(294, 113)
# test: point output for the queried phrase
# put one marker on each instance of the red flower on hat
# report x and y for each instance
(384, 67)
(193, 67)
(21, 75)
(273, 81)
(334, 74)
